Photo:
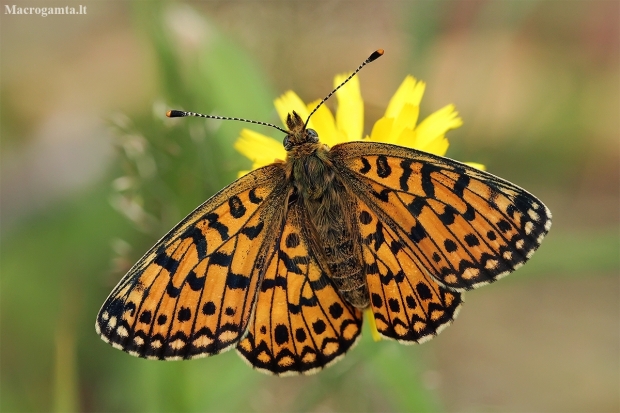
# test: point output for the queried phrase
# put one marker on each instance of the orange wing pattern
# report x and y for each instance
(464, 227)
(300, 322)
(193, 293)
(407, 303)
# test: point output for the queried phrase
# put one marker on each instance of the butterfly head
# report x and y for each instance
(298, 134)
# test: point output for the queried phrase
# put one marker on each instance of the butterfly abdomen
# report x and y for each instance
(329, 208)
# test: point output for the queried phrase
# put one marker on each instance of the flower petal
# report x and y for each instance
(373, 325)
(260, 149)
(407, 138)
(405, 120)
(409, 92)
(476, 165)
(324, 124)
(350, 112)
(381, 130)
(438, 146)
(407, 117)
(289, 102)
(436, 125)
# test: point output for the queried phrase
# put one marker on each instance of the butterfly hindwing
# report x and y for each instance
(300, 322)
(407, 303)
(465, 227)
(193, 293)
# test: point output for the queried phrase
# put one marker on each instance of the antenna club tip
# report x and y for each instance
(175, 114)
(375, 55)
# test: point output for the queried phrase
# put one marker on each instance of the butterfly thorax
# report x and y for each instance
(329, 207)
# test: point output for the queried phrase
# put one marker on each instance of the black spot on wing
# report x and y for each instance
(252, 232)
(460, 185)
(237, 209)
(472, 240)
(378, 236)
(504, 225)
(253, 198)
(416, 206)
(198, 239)
(383, 195)
(411, 303)
(172, 291)
(292, 264)
(208, 308)
(395, 246)
(300, 335)
(145, 317)
(237, 281)
(303, 302)
(169, 264)
(365, 218)
(448, 215)
(184, 314)
(377, 301)
(269, 283)
(510, 210)
(372, 268)
(366, 168)
(523, 202)
(195, 283)
(427, 183)
(214, 223)
(319, 326)
(281, 334)
(220, 258)
(404, 177)
(450, 245)
(423, 291)
(336, 310)
(131, 307)
(470, 213)
(292, 240)
(383, 167)
(418, 233)
(394, 305)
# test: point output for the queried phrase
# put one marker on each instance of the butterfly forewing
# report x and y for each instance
(464, 227)
(193, 293)
(300, 322)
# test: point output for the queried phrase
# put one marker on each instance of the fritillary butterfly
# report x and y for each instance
(281, 263)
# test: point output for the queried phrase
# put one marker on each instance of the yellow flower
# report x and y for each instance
(399, 125)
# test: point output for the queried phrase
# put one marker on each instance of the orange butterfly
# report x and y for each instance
(282, 262)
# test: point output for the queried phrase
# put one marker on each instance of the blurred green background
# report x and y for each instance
(92, 174)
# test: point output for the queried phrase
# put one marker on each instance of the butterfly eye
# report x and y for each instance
(313, 137)
(287, 145)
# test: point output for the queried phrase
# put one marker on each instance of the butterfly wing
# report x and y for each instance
(193, 293)
(464, 227)
(300, 323)
(408, 304)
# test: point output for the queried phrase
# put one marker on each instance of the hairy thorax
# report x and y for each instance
(329, 207)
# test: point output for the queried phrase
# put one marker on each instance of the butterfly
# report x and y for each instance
(282, 262)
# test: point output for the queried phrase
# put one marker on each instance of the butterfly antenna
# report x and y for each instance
(374, 56)
(182, 113)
